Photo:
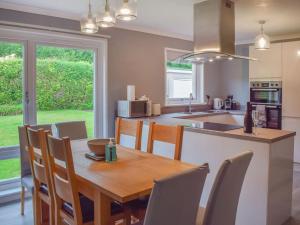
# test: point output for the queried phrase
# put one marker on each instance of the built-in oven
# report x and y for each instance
(273, 116)
(268, 94)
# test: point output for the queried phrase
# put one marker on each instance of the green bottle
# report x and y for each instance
(110, 151)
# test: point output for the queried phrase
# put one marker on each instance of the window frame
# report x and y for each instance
(198, 89)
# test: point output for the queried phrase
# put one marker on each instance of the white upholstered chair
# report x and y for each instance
(75, 130)
(224, 197)
(175, 200)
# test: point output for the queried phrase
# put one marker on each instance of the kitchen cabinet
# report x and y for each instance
(291, 91)
(268, 64)
(291, 79)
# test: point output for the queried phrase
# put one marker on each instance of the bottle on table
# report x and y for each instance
(248, 121)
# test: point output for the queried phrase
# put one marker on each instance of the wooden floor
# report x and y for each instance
(10, 213)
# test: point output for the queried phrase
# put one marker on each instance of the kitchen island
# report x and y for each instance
(266, 196)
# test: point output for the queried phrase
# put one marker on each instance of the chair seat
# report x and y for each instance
(200, 216)
(87, 208)
(27, 182)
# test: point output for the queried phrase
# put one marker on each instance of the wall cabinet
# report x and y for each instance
(291, 91)
(268, 64)
(291, 79)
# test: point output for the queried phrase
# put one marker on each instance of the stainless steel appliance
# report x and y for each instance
(269, 94)
(132, 109)
(266, 92)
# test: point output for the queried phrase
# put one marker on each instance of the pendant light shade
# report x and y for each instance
(127, 11)
(88, 24)
(107, 18)
(262, 41)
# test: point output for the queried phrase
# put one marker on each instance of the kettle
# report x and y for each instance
(218, 103)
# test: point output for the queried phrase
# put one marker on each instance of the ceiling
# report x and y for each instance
(175, 17)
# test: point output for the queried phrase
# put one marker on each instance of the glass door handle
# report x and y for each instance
(27, 97)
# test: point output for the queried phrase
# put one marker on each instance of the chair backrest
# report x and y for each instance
(168, 134)
(131, 128)
(64, 177)
(175, 200)
(75, 130)
(23, 140)
(224, 197)
(39, 164)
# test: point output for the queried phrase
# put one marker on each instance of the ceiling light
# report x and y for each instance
(230, 58)
(107, 18)
(298, 52)
(128, 11)
(218, 57)
(262, 41)
(210, 60)
(88, 25)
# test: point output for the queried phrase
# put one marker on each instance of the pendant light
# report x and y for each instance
(262, 41)
(107, 18)
(128, 10)
(88, 25)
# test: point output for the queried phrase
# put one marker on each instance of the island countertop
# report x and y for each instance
(186, 120)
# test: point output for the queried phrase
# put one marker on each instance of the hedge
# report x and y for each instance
(60, 84)
(46, 52)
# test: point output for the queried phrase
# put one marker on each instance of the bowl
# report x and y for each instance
(97, 146)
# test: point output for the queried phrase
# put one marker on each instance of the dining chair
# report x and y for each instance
(43, 193)
(26, 176)
(225, 193)
(175, 200)
(131, 128)
(165, 133)
(75, 130)
(71, 206)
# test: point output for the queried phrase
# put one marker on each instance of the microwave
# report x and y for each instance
(132, 109)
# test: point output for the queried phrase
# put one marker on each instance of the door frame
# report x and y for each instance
(31, 38)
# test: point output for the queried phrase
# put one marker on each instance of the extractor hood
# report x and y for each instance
(214, 33)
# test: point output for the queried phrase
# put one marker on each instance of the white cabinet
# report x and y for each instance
(269, 63)
(293, 124)
(291, 91)
(291, 79)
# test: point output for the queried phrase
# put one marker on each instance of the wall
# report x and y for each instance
(235, 77)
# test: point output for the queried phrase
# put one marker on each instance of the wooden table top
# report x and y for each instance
(128, 178)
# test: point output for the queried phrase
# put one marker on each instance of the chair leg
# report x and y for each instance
(38, 209)
(22, 200)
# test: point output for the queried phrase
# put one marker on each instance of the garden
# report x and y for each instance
(64, 92)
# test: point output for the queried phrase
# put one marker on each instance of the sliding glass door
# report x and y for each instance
(64, 85)
(48, 77)
(11, 104)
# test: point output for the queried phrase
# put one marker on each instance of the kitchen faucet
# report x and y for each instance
(190, 103)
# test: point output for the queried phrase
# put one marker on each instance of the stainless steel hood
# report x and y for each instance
(214, 32)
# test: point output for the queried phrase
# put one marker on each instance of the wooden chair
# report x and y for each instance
(71, 206)
(43, 192)
(168, 134)
(175, 200)
(26, 175)
(224, 197)
(131, 128)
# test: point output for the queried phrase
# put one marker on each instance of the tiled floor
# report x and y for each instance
(10, 214)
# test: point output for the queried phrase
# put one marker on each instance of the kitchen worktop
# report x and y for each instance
(192, 125)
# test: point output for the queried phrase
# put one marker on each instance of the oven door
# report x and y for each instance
(274, 117)
(266, 95)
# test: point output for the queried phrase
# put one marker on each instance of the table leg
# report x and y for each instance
(102, 209)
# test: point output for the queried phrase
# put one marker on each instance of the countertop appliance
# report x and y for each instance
(132, 109)
(228, 102)
(218, 103)
(269, 94)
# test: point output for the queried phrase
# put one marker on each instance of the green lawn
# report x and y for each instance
(9, 133)
(9, 168)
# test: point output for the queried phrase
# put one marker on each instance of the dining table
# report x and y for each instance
(128, 178)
